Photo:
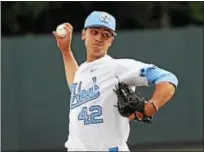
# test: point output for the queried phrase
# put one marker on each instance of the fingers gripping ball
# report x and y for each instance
(61, 31)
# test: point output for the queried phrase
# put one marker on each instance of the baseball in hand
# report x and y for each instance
(61, 30)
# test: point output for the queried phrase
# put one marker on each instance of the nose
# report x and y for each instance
(98, 37)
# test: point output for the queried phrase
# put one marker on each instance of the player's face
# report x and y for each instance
(97, 41)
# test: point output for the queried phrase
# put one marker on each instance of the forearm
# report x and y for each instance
(70, 65)
(162, 94)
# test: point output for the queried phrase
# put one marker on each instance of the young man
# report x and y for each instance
(94, 122)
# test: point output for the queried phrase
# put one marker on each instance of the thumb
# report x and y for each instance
(55, 35)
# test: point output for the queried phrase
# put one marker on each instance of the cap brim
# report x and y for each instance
(97, 25)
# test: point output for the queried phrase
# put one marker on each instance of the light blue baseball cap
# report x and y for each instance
(101, 19)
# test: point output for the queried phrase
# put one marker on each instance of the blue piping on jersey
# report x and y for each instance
(156, 75)
(70, 87)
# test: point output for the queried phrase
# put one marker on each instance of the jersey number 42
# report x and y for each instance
(91, 115)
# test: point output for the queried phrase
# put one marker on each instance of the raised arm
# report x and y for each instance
(64, 44)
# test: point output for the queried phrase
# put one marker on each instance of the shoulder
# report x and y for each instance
(127, 63)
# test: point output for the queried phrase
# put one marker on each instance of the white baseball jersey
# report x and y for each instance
(94, 122)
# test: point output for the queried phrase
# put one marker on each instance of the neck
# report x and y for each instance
(91, 58)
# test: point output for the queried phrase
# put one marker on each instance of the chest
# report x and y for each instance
(91, 84)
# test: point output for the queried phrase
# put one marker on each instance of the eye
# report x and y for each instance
(106, 35)
(94, 32)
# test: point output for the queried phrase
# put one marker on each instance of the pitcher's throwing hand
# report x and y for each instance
(64, 43)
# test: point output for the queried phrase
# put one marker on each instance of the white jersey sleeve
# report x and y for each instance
(130, 71)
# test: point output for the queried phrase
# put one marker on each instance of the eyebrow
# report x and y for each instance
(103, 29)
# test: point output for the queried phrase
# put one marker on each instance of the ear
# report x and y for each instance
(83, 33)
(111, 41)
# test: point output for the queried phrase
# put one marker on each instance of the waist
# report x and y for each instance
(77, 145)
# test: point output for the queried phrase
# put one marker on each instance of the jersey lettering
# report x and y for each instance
(79, 96)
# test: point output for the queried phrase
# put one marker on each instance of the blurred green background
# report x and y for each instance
(25, 17)
(35, 96)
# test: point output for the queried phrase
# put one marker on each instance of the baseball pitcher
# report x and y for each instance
(102, 97)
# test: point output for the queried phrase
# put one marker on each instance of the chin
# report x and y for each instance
(98, 52)
(97, 56)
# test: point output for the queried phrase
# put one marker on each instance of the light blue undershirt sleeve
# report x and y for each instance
(156, 75)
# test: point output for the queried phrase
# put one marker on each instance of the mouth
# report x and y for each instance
(98, 45)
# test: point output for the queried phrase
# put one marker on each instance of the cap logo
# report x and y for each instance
(105, 18)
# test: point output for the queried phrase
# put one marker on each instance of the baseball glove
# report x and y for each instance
(130, 102)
